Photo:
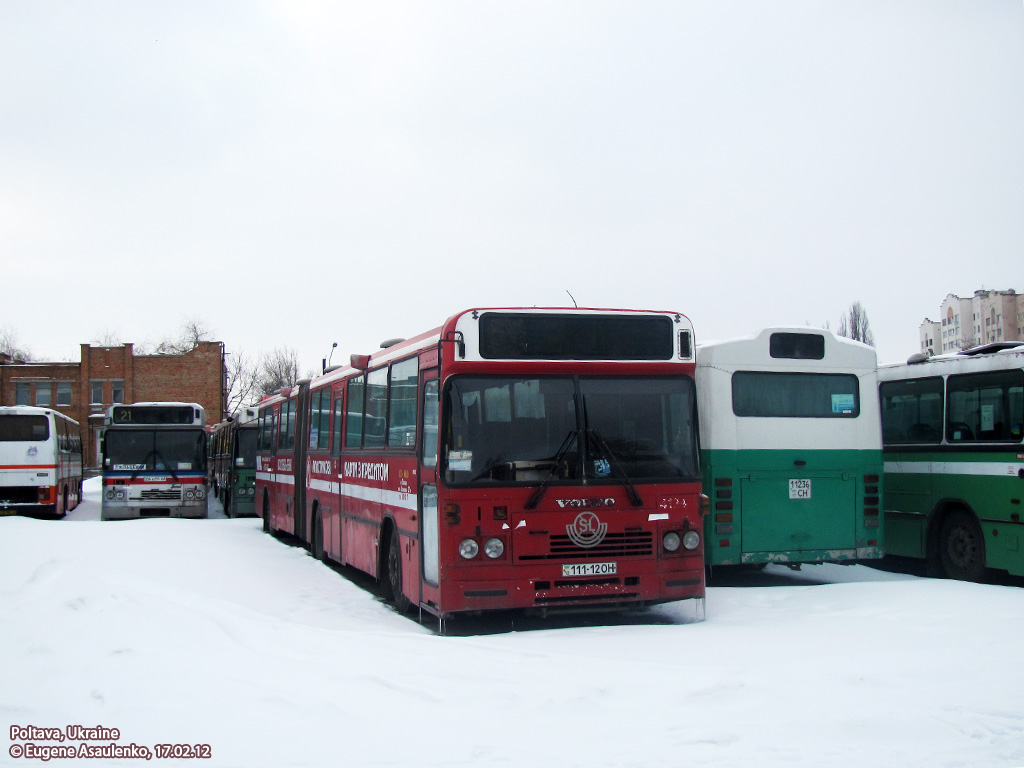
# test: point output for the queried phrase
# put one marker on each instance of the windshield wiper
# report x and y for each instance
(567, 443)
(156, 457)
(145, 462)
(168, 467)
(616, 465)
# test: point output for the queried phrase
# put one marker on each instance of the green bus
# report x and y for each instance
(952, 427)
(791, 448)
(233, 463)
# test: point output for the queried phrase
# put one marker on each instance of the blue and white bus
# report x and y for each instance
(154, 461)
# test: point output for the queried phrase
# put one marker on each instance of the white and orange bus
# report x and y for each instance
(40, 461)
(537, 459)
(154, 461)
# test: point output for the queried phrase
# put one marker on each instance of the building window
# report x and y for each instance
(23, 394)
(44, 393)
(118, 394)
(97, 392)
(63, 393)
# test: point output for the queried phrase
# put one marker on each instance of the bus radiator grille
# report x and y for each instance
(560, 547)
(160, 494)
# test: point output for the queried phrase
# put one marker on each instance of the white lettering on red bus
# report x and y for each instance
(320, 467)
(367, 470)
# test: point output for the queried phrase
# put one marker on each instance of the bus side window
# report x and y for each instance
(354, 414)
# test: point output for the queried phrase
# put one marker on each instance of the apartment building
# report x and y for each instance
(986, 317)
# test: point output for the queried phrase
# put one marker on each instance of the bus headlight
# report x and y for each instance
(200, 493)
(671, 541)
(494, 548)
(468, 549)
(691, 539)
(190, 494)
(120, 495)
(110, 495)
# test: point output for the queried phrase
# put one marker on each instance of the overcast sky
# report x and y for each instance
(297, 174)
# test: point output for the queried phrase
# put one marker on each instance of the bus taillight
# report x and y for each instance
(45, 495)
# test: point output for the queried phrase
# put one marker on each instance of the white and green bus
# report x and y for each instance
(791, 448)
(952, 428)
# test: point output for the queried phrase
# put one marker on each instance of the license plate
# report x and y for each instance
(799, 489)
(590, 569)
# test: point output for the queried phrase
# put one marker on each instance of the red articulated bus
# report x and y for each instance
(537, 459)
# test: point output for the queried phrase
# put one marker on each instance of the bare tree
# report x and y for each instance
(9, 345)
(107, 338)
(242, 381)
(967, 340)
(278, 368)
(193, 331)
(854, 325)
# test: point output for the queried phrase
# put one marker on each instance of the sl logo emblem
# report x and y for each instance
(586, 530)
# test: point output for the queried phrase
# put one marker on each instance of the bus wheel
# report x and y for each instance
(64, 503)
(962, 547)
(266, 515)
(394, 575)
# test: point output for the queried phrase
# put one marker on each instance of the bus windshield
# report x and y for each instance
(245, 458)
(21, 428)
(502, 430)
(142, 449)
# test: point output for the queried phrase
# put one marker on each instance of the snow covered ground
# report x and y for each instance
(210, 632)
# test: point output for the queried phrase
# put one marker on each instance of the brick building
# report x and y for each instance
(107, 375)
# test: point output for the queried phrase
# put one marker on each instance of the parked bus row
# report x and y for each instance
(791, 450)
(791, 454)
(548, 459)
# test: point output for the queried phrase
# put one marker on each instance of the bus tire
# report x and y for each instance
(394, 574)
(266, 514)
(64, 502)
(962, 547)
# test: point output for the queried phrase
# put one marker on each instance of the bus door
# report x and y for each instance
(805, 506)
(429, 526)
(301, 442)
